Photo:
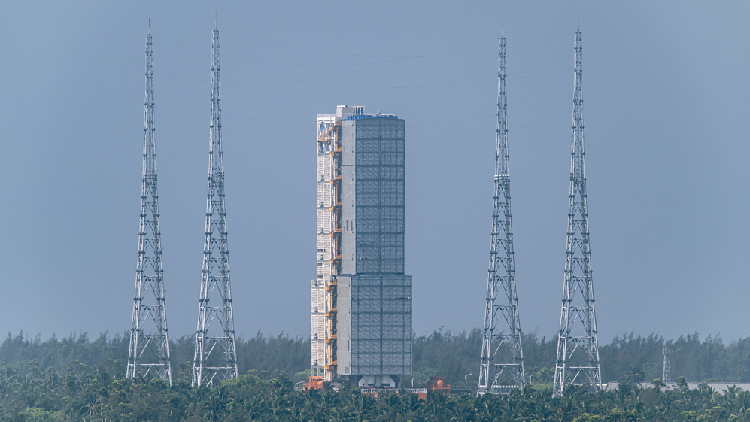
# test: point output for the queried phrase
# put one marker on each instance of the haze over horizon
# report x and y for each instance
(665, 87)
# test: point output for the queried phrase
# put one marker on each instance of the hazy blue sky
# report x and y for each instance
(666, 88)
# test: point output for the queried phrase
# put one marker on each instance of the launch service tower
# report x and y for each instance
(361, 298)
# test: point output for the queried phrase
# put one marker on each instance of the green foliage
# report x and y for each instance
(83, 393)
(270, 353)
(442, 353)
(78, 378)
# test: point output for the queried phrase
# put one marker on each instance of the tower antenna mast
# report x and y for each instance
(666, 370)
(577, 345)
(215, 354)
(149, 342)
(501, 368)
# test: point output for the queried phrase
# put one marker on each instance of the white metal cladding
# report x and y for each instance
(381, 324)
(324, 218)
(317, 330)
(324, 252)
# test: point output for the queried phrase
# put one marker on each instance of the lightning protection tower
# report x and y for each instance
(149, 342)
(501, 368)
(215, 355)
(577, 345)
(666, 370)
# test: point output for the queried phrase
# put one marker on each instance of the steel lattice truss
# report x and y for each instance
(666, 370)
(501, 367)
(577, 346)
(149, 343)
(215, 355)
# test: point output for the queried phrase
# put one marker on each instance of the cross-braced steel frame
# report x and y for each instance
(501, 368)
(149, 342)
(666, 370)
(215, 354)
(577, 345)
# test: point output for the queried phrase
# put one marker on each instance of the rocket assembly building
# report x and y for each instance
(361, 298)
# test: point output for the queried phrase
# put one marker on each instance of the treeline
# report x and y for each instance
(630, 356)
(85, 393)
(264, 353)
(443, 353)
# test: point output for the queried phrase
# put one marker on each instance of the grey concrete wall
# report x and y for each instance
(343, 325)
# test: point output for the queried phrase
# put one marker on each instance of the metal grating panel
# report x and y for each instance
(380, 195)
(381, 324)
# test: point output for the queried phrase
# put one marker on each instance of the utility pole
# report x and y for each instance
(149, 342)
(577, 345)
(215, 354)
(501, 368)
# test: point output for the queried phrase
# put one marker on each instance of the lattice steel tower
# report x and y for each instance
(501, 367)
(666, 370)
(215, 355)
(577, 345)
(149, 342)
